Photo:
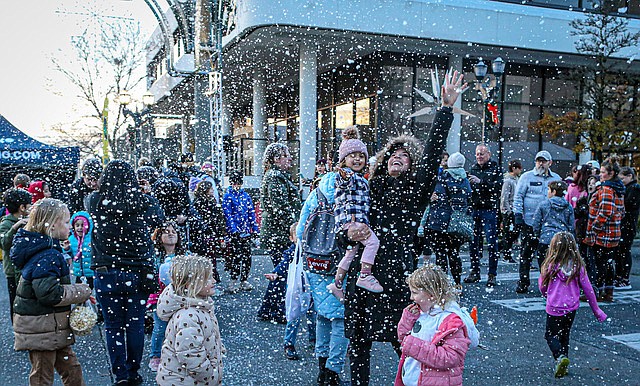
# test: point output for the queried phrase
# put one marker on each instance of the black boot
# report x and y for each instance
(332, 378)
(322, 371)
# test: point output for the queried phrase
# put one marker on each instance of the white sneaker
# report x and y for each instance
(246, 286)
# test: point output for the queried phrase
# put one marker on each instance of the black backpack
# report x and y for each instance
(319, 244)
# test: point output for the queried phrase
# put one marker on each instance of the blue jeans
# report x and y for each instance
(123, 307)
(291, 331)
(485, 221)
(331, 342)
(157, 336)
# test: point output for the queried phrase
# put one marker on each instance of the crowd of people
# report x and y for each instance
(146, 241)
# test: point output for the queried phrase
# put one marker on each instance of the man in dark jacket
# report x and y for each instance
(83, 186)
(486, 181)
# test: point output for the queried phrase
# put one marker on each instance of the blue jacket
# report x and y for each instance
(239, 212)
(531, 190)
(453, 191)
(553, 215)
(282, 269)
(325, 304)
(81, 261)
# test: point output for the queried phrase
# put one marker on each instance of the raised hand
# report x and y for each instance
(452, 87)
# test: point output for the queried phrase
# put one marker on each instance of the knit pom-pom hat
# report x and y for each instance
(351, 143)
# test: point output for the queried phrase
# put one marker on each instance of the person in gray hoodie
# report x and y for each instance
(553, 215)
(530, 191)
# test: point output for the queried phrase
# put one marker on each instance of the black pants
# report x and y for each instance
(447, 251)
(623, 260)
(240, 259)
(12, 287)
(557, 333)
(360, 358)
(529, 247)
(89, 281)
(604, 258)
(510, 233)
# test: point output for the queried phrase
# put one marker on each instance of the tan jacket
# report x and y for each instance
(49, 331)
(192, 349)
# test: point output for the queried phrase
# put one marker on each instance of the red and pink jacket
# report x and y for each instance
(442, 359)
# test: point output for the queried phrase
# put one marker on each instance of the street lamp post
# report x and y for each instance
(138, 115)
(486, 86)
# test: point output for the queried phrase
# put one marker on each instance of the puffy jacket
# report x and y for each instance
(81, 246)
(486, 193)
(325, 304)
(563, 296)
(6, 239)
(553, 215)
(606, 209)
(454, 192)
(239, 212)
(192, 350)
(442, 358)
(280, 203)
(44, 295)
(530, 191)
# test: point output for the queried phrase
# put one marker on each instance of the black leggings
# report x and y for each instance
(557, 333)
(12, 287)
(240, 264)
(360, 358)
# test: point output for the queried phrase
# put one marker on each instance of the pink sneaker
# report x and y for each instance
(370, 283)
(337, 292)
(154, 363)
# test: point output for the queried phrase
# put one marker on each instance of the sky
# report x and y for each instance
(32, 32)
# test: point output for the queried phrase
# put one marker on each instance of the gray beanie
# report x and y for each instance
(456, 160)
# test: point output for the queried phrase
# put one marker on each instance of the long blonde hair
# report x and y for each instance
(563, 252)
(190, 274)
(43, 214)
(432, 280)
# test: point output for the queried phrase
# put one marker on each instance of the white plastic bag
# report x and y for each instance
(83, 318)
(298, 298)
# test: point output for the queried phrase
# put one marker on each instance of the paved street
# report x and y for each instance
(511, 326)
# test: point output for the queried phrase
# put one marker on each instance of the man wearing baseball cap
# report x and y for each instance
(531, 190)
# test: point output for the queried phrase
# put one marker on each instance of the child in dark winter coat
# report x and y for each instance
(552, 216)
(80, 241)
(45, 295)
(563, 275)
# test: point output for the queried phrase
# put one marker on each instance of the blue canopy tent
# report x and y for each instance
(20, 153)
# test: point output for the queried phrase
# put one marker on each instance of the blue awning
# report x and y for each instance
(17, 148)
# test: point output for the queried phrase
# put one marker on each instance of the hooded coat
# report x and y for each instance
(192, 349)
(454, 192)
(397, 205)
(81, 246)
(280, 203)
(553, 215)
(44, 295)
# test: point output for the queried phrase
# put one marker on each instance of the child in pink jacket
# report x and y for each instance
(435, 333)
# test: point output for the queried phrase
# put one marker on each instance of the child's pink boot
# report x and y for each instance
(336, 291)
(369, 282)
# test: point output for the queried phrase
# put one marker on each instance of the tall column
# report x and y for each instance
(308, 109)
(454, 138)
(202, 104)
(226, 133)
(259, 121)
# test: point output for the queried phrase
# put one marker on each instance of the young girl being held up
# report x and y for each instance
(352, 205)
(435, 333)
(192, 349)
(562, 276)
(45, 295)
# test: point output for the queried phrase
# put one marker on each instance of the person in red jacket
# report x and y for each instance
(434, 332)
(606, 209)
